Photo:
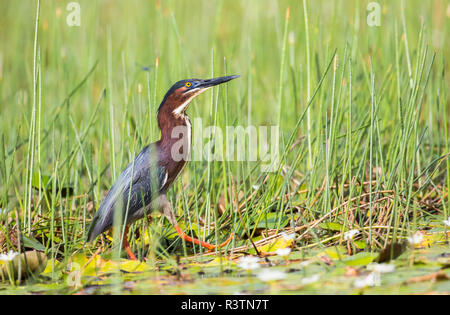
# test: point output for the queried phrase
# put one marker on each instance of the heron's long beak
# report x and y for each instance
(216, 81)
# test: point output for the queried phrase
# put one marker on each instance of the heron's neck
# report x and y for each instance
(172, 125)
(176, 134)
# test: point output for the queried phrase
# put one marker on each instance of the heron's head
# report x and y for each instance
(181, 93)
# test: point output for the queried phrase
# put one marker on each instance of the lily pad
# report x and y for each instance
(332, 226)
(276, 244)
(335, 253)
(360, 259)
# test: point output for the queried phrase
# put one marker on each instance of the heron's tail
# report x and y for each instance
(95, 229)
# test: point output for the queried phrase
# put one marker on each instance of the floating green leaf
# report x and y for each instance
(332, 226)
(360, 259)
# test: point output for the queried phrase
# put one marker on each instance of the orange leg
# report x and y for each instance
(209, 246)
(127, 246)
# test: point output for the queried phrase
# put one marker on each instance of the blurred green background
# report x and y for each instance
(245, 37)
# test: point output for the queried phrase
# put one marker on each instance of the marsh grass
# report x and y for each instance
(363, 116)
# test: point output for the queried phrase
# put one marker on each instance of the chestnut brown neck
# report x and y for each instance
(176, 131)
(168, 121)
(172, 113)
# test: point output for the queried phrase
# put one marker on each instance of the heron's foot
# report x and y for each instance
(209, 246)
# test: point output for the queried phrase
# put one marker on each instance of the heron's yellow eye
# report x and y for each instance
(188, 84)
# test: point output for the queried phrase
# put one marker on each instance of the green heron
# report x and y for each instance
(143, 185)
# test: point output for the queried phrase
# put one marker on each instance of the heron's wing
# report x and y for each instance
(134, 189)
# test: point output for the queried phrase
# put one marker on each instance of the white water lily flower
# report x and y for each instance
(271, 275)
(283, 252)
(311, 279)
(348, 236)
(417, 238)
(288, 237)
(9, 256)
(381, 268)
(373, 279)
(447, 222)
(249, 263)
